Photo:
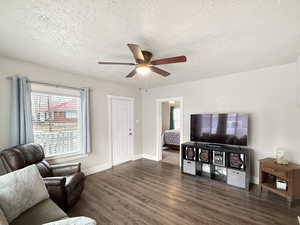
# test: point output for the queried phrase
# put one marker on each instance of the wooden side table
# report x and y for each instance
(268, 172)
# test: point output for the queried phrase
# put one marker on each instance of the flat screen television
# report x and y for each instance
(222, 128)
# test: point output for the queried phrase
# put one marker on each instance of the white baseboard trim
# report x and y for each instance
(150, 157)
(106, 166)
(136, 157)
(96, 169)
(254, 180)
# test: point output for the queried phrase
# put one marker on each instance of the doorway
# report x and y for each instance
(121, 133)
(169, 130)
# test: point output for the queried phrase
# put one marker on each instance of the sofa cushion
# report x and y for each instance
(3, 220)
(44, 212)
(21, 190)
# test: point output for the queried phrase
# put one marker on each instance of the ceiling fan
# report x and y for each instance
(143, 63)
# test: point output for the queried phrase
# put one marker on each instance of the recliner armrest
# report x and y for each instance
(55, 181)
(65, 169)
(56, 187)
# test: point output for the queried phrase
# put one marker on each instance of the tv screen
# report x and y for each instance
(223, 128)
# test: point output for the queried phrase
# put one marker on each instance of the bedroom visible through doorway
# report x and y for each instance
(169, 129)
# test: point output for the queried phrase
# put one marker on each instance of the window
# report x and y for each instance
(176, 118)
(71, 114)
(56, 122)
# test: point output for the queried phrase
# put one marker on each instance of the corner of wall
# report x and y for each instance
(96, 169)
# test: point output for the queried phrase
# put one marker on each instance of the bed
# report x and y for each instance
(171, 139)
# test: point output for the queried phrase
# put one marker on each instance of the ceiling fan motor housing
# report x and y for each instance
(147, 56)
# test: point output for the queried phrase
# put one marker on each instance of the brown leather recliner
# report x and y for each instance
(64, 182)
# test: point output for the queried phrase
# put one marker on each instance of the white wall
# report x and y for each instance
(269, 95)
(99, 158)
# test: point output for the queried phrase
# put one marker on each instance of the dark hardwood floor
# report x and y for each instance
(148, 192)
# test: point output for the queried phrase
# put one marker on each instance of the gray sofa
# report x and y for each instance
(24, 200)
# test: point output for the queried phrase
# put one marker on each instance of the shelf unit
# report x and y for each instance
(194, 166)
(272, 187)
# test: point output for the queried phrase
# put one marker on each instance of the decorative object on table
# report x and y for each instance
(281, 184)
(280, 159)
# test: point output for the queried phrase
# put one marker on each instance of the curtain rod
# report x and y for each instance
(48, 84)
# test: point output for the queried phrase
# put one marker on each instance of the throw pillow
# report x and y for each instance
(20, 190)
(81, 220)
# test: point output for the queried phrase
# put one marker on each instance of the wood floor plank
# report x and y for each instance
(147, 192)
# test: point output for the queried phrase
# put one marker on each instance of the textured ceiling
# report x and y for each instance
(217, 36)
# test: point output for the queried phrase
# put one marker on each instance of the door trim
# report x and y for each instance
(109, 103)
(159, 125)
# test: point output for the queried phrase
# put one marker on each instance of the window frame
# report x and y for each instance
(70, 155)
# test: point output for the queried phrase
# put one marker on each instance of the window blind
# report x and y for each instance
(56, 122)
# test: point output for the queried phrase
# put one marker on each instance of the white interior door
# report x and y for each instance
(122, 130)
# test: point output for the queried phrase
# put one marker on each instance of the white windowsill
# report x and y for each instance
(66, 157)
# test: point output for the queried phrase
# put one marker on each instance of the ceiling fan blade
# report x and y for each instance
(159, 71)
(177, 59)
(131, 74)
(137, 53)
(116, 63)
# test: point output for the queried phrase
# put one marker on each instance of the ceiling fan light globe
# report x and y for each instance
(143, 70)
